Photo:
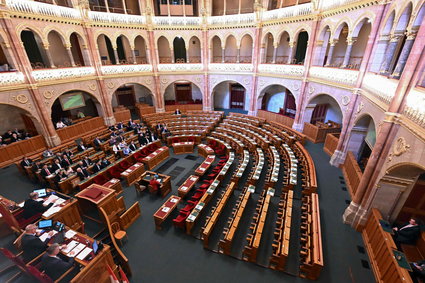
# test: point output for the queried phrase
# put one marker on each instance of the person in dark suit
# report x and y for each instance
(132, 146)
(32, 246)
(105, 162)
(87, 161)
(60, 176)
(36, 166)
(81, 147)
(418, 270)
(68, 153)
(52, 264)
(46, 171)
(26, 162)
(97, 142)
(66, 162)
(59, 156)
(177, 112)
(97, 167)
(142, 139)
(407, 234)
(33, 207)
(82, 173)
(56, 165)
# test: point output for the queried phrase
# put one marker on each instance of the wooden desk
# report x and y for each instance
(183, 147)
(165, 210)
(156, 157)
(200, 171)
(165, 186)
(68, 185)
(187, 185)
(133, 173)
(114, 184)
(204, 150)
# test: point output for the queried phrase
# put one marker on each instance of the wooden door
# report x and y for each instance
(319, 113)
(125, 96)
(237, 96)
(29, 125)
(290, 106)
(183, 93)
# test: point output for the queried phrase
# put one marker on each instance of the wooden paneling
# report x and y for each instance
(318, 134)
(143, 109)
(331, 143)
(80, 129)
(183, 107)
(352, 173)
(15, 151)
(123, 115)
(271, 116)
(131, 215)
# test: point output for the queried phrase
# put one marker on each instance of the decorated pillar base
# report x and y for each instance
(109, 121)
(337, 158)
(160, 110)
(53, 141)
(350, 213)
(298, 127)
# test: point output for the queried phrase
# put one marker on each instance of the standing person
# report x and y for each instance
(407, 234)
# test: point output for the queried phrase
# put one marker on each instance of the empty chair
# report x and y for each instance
(139, 188)
(118, 233)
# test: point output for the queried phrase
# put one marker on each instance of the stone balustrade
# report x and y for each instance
(381, 87)
(289, 70)
(117, 18)
(177, 21)
(332, 4)
(180, 67)
(232, 19)
(121, 69)
(62, 73)
(225, 67)
(287, 12)
(340, 76)
(38, 8)
(415, 106)
(11, 78)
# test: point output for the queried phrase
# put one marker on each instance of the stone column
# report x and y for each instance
(107, 6)
(187, 55)
(117, 59)
(71, 58)
(48, 56)
(222, 54)
(123, 6)
(332, 43)
(238, 55)
(148, 56)
(350, 42)
(263, 54)
(291, 51)
(274, 54)
(133, 52)
(173, 60)
(404, 55)
(389, 54)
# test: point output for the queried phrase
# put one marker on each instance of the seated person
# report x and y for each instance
(116, 148)
(81, 147)
(80, 114)
(126, 150)
(407, 234)
(68, 153)
(60, 125)
(59, 156)
(33, 207)
(142, 139)
(32, 246)
(52, 264)
(66, 161)
(97, 142)
(132, 146)
(97, 167)
(57, 166)
(155, 184)
(80, 164)
(120, 126)
(2, 143)
(104, 162)
(177, 112)
(46, 171)
(47, 153)
(87, 161)
(14, 138)
(61, 176)
(26, 162)
(418, 270)
(82, 173)
(36, 166)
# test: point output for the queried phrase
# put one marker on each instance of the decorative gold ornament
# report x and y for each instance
(110, 85)
(48, 94)
(92, 86)
(21, 98)
(148, 81)
(399, 148)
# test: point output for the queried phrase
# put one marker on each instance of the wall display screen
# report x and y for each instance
(72, 101)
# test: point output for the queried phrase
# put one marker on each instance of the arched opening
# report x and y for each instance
(301, 50)
(245, 53)
(15, 118)
(6, 60)
(33, 47)
(194, 50)
(164, 51)
(179, 50)
(277, 99)
(323, 108)
(182, 92)
(400, 194)
(106, 52)
(360, 36)
(57, 50)
(124, 50)
(128, 95)
(323, 48)
(268, 49)
(231, 50)
(230, 95)
(217, 56)
(379, 54)
(282, 51)
(67, 106)
(340, 47)
(77, 50)
(140, 50)
(362, 140)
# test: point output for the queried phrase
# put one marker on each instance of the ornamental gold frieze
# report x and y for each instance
(348, 8)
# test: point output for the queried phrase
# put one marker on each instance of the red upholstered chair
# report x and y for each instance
(175, 140)
(180, 219)
(100, 179)
(191, 139)
(114, 172)
(124, 165)
(21, 265)
(144, 152)
(152, 147)
(188, 207)
(212, 144)
(37, 274)
(197, 196)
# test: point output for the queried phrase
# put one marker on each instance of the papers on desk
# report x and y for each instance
(184, 188)
(191, 218)
(136, 165)
(174, 200)
(51, 211)
(84, 253)
(113, 181)
(165, 209)
(70, 233)
(193, 179)
(45, 236)
(70, 246)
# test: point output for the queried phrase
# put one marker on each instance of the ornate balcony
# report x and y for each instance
(60, 74)
(11, 78)
(177, 21)
(381, 87)
(232, 19)
(340, 76)
(288, 12)
(289, 70)
(230, 67)
(332, 4)
(180, 67)
(32, 7)
(415, 106)
(117, 18)
(120, 69)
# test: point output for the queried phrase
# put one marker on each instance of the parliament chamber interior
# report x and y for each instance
(212, 141)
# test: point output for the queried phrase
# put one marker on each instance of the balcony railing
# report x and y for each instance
(289, 70)
(415, 106)
(11, 78)
(287, 12)
(120, 69)
(32, 7)
(340, 76)
(331, 4)
(177, 21)
(180, 67)
(381, 87)
(232, 19)
(231, 67)
(60, 74)
(117, 18)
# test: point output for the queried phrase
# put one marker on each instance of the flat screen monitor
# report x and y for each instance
(41, 193)
(72, 100)
(95, 247)
(43, 224)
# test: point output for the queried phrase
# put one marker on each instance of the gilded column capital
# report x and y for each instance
(351, 40)
(411, 35)
(395, 37)
(46, 46)
(333, 42)
(319, 43)
(67, 46)
(292, 44)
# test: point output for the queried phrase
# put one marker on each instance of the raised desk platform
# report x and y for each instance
(183, 147)
(133, 173)
(200, 171)
(156, 157)
(165, 210)
(187, 185)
